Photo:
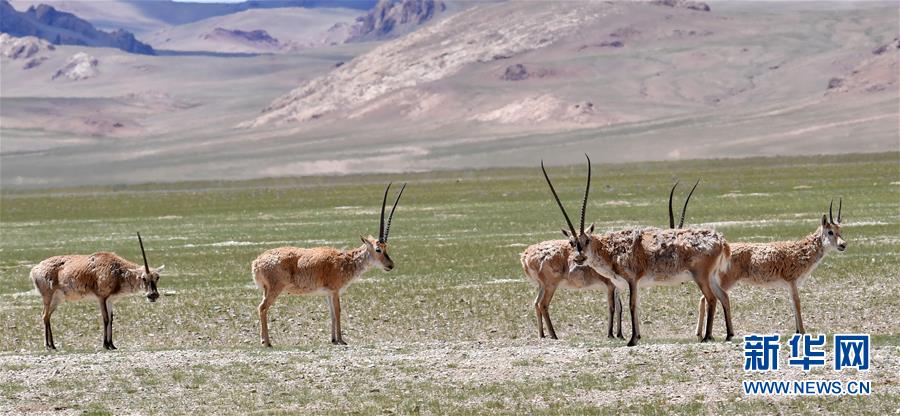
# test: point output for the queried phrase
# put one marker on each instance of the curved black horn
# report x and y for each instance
(684, 209)
(840, 205)
(587, 189)
(387, 230)
(671, 216)
(143, 253)
(830, 217)
(556, 197)
(381, 224)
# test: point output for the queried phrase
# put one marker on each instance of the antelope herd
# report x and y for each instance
(630, 258)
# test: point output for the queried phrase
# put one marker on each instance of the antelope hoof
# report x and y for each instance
(729, 337)
(51, 347)
(622, 337)
(112, 347)
(708, 339)
(338, 342)
(553, 336)
(632, 342)
(611, 336)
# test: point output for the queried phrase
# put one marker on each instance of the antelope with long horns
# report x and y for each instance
(101, 276)
(651, 256)
(549, 265)
(784, 264)
(322, 270)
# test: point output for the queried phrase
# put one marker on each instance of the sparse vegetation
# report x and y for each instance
(451, 329)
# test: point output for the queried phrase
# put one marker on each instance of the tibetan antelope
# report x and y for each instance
(548, 264)
(101, 276)
(783, 264)
(321, 270)
(651, 256)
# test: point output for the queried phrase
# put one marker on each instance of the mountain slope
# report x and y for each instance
(144, 17)
(497, 85)
(293, 28)
(64, 28)
(392, 18)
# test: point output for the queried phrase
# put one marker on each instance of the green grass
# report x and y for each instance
(458, 285)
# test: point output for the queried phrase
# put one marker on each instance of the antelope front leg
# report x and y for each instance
(619, 315)
(611, 306)
(112, 314)
(537, 310)
(701, 317)
(336, 319)
(104, 314)
(632, 305)
(795, 297)
(545, 308)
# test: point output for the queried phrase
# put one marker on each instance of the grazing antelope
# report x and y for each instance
(781, 264)
(321, 270)
(101, 276)
(548, 265)
(651, 256)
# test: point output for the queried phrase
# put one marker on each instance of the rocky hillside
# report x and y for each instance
(434, 52)
(30, 50)
(392, 18)
(64, 28)
(291, 29)
(877, 73)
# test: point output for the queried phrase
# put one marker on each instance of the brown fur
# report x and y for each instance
(548, 264)
(320, 270)
(101, 276)
(652, 256)
(779, 264)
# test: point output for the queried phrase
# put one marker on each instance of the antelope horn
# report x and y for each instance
(556, 197)
(840, 205)
(671, 216)
(830, 217)
(684, 209)
(586, 190)
(381, 224)
(387, 230)
(144, 254)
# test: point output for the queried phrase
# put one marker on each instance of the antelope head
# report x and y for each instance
(377, 248)
(831, 229)
(149, 277)
(580, 240)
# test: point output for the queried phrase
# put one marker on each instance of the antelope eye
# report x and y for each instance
(378, 250)
(830, 232)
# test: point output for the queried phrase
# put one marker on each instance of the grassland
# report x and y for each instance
(451, 329)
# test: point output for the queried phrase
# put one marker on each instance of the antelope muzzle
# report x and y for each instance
(153, 295)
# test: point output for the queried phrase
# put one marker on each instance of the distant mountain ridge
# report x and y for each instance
(178, 13)
(391, 18)
(64, 28)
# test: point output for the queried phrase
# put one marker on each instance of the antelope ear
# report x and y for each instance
(590, 229)
(565, 233)
(160, 268)
(824, 220)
